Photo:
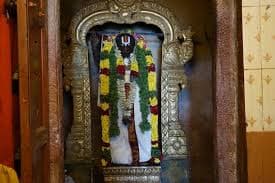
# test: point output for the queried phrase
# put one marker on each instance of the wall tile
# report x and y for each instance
(267, 2)
(268, 36)
(253, 100)
(251, 37)
(250, 2)
(268, 80)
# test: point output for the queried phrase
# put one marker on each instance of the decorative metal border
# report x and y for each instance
(133, 174)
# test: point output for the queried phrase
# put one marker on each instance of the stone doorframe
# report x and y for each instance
(230, 144)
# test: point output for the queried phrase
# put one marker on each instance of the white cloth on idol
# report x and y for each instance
(144, 139)
(120, 147)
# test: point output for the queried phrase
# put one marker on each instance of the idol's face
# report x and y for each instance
(126, 44)
(126, 49)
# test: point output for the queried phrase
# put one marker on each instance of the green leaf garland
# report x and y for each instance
(142, 82)
(113, 95)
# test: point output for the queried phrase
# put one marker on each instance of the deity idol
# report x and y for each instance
(128, 101)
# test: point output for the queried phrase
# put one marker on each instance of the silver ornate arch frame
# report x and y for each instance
(177, 50)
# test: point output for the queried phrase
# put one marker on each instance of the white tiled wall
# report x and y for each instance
(259, 63)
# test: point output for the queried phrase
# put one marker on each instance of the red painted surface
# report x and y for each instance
(6, 129)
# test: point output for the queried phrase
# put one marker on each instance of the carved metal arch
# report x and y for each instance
(109, 11)
(76, 70)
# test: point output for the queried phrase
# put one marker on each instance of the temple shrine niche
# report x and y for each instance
(123, 67)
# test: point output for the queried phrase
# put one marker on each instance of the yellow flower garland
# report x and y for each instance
(104, 106)
(107, 46)
(104, 84)
(119, 61)
(141, 43)
(153, 101)
(104, 91)
(134, 66)
(152, 80)
(104, 162)
(149, 60)
(105, 123)
(105, 64)
(154, 126)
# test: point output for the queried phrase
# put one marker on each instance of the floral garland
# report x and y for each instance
(104, 96)
(143, 72)
(149, 78)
